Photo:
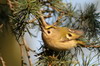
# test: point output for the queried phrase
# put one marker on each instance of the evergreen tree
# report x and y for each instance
(16, 15)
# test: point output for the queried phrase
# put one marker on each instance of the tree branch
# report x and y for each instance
(10, 5)
(2, 61)
(91, 46)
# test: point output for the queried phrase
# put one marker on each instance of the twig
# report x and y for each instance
(43, 22)
(27, 50)
(26, 46)
(31, 21)
(55, 23)
(22, 61)
(34, 19)
(10, 5)
(50, 11)
(47, 16)
(91, 46)
(54, 8)
(2, 61)
(1, 26)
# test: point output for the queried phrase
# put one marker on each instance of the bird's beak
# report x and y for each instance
(44, 29)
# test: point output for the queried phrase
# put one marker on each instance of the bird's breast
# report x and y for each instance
(54, 44)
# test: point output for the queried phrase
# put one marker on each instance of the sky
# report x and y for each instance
(34, 42)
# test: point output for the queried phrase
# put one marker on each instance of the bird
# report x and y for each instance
(60, 38)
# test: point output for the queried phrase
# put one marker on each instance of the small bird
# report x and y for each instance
(60, 38)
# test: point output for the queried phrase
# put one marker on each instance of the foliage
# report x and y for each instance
(62, 14)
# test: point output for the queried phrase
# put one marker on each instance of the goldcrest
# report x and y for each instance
(60, 38)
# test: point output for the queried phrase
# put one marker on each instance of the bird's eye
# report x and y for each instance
(69, 35)
(48, 32)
